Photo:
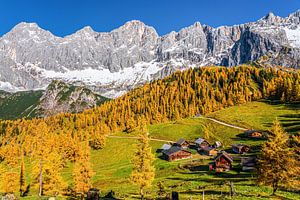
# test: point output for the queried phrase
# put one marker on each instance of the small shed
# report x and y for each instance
(240, 148)
(182, 143)
(201, 143)
(93, 194)
(248, 163)
(222, 162)
(217, 144)
(176, 153)
(210, 151)
(253, 134)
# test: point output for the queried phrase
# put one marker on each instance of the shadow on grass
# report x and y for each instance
(291, 122)
(206, 192)
(242, 137)
(292, 106)
(217, 178)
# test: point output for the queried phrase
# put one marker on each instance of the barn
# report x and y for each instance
(200, 143)
(222, 162)
(182, 143)
(176, 153)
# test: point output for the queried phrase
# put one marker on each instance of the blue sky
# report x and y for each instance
(63, 17)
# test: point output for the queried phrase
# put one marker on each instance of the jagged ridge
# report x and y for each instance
(117, 61)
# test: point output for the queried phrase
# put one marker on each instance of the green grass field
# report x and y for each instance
(260, 115)
(191, 177)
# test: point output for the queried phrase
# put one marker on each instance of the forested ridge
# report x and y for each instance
(53, 141)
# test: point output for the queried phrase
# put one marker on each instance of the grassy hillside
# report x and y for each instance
(113, 166)
(260, 115)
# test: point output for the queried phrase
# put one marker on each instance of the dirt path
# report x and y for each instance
(225, 124)
(132, 137)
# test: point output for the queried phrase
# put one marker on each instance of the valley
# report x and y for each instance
(112, 164)
(74, 152)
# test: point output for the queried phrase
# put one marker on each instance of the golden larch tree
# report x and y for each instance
(143, 172)
(22, 188)
(83, 172)
(277, 163)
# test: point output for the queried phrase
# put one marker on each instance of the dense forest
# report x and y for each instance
(50, 142)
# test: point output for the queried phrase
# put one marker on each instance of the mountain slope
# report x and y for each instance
(58, 97)
(62, 97)
(112, 63)
(192, 92)
(19, 104)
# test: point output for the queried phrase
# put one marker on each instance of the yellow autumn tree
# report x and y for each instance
(9, 183)
(40, 149)
(22, 187)
(206, 134)
(52, 181)
(277, 163)
(47, 161)
(83, 172)
(97, 136)
(143, 170)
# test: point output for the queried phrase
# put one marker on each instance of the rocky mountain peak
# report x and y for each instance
(86, 30)
(112, 63)
(294, 18)
(25, 31)
(271, 19)
(295, 14)
(136, 28)
(197, 24)
(85, 33)
(26, 25)
(134, 23)
(270, 16)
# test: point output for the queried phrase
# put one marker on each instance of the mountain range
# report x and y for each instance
(111, 63)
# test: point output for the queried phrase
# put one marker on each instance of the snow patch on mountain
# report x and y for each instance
(6, 86)
(293, 35)
(141, 70)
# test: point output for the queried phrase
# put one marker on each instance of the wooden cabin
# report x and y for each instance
(240, 148)
(182, 143)
(248, 163)
(201, 143)
(210, 151)
(222, 162)
(176, 153)
(253, 134)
